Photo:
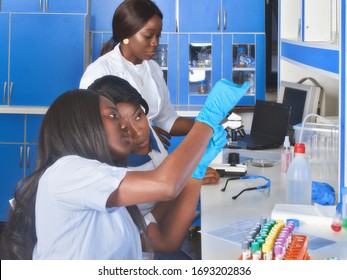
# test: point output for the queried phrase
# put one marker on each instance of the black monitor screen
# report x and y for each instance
(270, 119)
(295, 98)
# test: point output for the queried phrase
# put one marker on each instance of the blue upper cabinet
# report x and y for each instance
(168, 8)
(203, 16)
(40, 69)
(243, 16)
(222, 16)
(4, 40)
(101, 14)
(48, 6)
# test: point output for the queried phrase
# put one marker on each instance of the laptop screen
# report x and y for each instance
(270, 119)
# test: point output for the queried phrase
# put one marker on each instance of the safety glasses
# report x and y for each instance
(265, 188)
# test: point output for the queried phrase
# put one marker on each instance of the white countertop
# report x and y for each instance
(219, 209)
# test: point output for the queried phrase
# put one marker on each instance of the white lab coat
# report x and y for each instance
(72, 221)
(146, 77)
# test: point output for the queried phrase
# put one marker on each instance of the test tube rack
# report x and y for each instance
(295, 250)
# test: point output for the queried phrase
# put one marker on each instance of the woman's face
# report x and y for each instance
(116, 131)
(143, 44)
(137, 122)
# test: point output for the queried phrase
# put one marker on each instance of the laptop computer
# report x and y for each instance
(269, 127)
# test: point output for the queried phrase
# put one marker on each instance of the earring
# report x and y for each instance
(126, 41)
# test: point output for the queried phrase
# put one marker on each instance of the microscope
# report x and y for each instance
(233, 125)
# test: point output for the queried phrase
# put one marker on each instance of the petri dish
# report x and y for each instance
(259, 162)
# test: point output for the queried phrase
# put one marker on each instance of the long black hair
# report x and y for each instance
(71, 126)
(130, 17)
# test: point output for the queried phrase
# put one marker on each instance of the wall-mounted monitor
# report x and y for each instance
(303, 98)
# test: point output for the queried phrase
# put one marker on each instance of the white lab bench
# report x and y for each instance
(219, 209)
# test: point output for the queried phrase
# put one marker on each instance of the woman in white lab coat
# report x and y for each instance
(137, 26)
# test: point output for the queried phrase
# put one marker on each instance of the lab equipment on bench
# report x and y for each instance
(232, 168)
(274, 240)
(286, 155)
(299, 178)
(264, 187)
(322, 148)
(227, 170)
(268, 129)
(336, 224)
(234, 126)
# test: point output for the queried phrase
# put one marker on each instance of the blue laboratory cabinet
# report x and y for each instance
(18, 150)
(101, 14)
(4, 40)
(43, 46)
(46, 57)
(209, 36)
(47, 6)
(221, 16)
(212, 29)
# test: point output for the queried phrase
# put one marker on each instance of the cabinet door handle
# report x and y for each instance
(28, 157)
(21, 157)
(46, 5)
(218, 20)
(41, 5)
(177, 15)
(225, 20)
(10, 93)
(4, 93)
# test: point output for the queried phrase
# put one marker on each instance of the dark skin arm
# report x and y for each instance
(181, 127)
(167, 181)
(174, 219)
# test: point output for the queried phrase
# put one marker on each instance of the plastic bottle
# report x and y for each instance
(202, 89)
(251, 79)
(299, 179)
(163, 57)
(286, 155)
(241, 58)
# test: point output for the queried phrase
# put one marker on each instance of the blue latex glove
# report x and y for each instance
(214, 147)
(222, 98)
(323, 193)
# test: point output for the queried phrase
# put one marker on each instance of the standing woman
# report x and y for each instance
(137, 26)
